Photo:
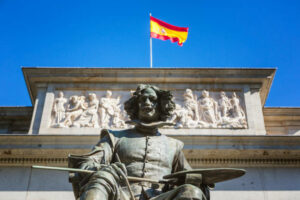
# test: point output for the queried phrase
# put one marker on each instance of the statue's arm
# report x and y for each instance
(181, 164)
(99, 160)
(103, 152)
(100, 155)
(73, 108)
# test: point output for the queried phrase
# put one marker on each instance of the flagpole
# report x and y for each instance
(150, 46)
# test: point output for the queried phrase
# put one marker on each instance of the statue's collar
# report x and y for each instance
(148, 128)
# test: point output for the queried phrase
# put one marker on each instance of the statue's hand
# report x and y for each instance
(117, 170)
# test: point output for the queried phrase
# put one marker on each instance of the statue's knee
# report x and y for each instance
(94, 194)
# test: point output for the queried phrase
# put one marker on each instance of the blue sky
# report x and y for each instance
(70, 33)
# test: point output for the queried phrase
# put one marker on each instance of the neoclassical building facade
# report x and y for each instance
(220, 116)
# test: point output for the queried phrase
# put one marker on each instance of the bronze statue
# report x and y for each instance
(140, 152)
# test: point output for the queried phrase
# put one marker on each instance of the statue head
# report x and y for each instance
(149, 104)
(222, 94)
(205, 93)
(92, 96)
(73, 99)
(60, 94)
(108, 93)
(188, 94)
(233, 95)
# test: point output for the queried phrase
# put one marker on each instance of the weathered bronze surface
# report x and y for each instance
(130, 178)
(210, 176)
(140, 152)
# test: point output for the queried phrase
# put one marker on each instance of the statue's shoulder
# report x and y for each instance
(175, 142)
(117, 134)
(112, 136)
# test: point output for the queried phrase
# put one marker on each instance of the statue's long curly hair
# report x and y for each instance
(165, 102)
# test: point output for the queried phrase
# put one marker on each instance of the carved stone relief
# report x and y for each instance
(82, 111)
(194, 109)
(204, 111)
(112, 116)
(59, 108)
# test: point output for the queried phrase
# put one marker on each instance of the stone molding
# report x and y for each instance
(201, 151)
(261, 76)
(282, 120)
(15, 111)
(194, 162)
(244, 162)
(23, 161)
(15, 120)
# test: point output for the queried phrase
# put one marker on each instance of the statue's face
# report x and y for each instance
(108, 94)
(73, 99)
(148, 111)
(91, 97)
(60, 94)
(188, 94)
(205, 94)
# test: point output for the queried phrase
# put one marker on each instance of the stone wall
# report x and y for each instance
(258, 184)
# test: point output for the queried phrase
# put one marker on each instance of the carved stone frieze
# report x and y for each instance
(205, 111)
(104, 109)
(80, 111)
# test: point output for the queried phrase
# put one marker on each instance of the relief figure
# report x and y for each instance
(191, 106)
(89, 117)
(75, 108)
(208, 109)
(238, 114)
(179, 116)
(224, 105)
(59, 108)
(108, 107)
(118, 118)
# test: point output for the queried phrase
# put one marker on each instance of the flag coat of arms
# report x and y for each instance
(164, 31)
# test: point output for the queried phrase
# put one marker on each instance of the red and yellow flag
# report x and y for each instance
(164, 31)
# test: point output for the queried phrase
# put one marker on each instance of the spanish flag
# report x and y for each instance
(164, 31)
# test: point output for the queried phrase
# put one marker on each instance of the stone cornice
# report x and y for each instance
(261, 76)
(15, 119)
(292, 113)
(282, 120)
(201, 151)
(15, 112)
